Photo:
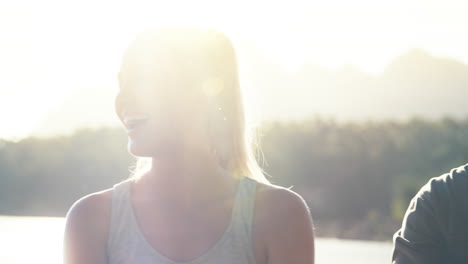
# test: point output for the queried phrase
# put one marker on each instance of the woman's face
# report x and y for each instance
(157, 111)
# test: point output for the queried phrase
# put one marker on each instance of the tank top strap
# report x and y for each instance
(244, 208)
(119, 212)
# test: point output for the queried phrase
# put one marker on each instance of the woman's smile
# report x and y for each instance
(132, 125)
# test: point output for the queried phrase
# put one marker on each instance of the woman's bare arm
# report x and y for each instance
(86, 230)
(289, 232)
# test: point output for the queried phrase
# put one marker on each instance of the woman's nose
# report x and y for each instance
(123, 101)
(130, 102)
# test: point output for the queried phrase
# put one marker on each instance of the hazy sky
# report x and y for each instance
(49, 50)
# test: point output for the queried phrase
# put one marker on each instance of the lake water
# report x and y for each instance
(39, 240)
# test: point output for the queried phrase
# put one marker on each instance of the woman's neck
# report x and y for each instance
(183, 182)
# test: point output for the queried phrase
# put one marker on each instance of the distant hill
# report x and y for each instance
(413, 84)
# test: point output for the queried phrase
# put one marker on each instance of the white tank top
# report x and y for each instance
(127, 245)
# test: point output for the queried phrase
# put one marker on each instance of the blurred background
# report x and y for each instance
(358, 104)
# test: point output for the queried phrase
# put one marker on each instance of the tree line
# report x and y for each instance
(357, 177)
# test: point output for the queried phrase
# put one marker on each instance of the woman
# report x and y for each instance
(200, 197)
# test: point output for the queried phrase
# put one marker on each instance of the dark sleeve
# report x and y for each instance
(420, 239)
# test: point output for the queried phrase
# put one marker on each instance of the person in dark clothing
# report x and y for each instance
(435, 226)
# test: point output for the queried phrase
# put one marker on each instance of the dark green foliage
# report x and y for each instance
(358, 178)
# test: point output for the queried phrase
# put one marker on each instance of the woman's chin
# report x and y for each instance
(152, 147)
(139, 148)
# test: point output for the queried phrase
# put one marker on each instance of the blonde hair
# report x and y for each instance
(208, 57)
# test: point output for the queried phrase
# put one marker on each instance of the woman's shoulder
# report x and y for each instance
(90, 213)
(87, 227)
(275, 201)
(283, 220)
(90, 204)
(96, 204)
(279, 206)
